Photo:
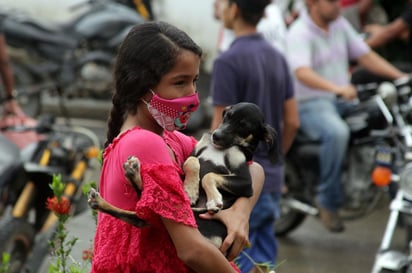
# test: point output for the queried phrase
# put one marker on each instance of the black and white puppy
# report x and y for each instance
(217, 172)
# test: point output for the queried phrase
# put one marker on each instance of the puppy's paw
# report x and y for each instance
(214, 205)
(94, 199)
(132, 172)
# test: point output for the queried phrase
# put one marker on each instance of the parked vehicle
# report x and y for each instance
(27, 226)
(73, 59)
(375, 129)
(389, 258)
(398, 163)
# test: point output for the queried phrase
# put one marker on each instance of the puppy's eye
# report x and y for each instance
(227, 114)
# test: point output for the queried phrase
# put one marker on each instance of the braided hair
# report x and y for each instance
(148, 52)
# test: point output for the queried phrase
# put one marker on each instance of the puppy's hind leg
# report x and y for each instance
(132, 172)
(97, 202)
(191, 168)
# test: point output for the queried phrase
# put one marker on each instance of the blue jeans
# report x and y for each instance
(261, 234)
(321, 119)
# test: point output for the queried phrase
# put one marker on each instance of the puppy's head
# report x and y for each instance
(243, 125)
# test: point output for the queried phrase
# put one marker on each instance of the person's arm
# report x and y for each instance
(379, 66)
(290, 123)
(236, 218)
(194, 249)
(217, 116)
(5, 68)
(381, 35)
(309, 77)
(364, 7)
(10, 105)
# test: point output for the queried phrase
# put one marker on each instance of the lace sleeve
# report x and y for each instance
(163, 195)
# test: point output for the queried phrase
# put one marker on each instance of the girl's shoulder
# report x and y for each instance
(141, 143)
(181, 144)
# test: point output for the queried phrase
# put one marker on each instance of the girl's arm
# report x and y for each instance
(194, 249)
(236, 218)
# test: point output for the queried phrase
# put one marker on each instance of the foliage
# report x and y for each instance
(4, 266)
(263, 267)
(61, 245)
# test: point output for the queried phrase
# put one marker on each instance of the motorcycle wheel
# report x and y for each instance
(28, 99)
(289, 218)
(17, 237)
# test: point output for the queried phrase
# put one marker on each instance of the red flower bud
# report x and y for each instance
(61, 208)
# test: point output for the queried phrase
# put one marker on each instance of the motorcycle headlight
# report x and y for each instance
(388, 92)
(405, 181)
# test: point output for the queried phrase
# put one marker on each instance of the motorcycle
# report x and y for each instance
(73, 60)
(398, 163)
(27, 226)
(372, 134)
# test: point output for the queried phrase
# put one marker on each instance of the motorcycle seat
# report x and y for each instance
(301, 138)
(33, 31)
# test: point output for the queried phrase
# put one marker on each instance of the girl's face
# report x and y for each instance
(181, 80)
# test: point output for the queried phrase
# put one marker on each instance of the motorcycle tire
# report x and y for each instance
(28, 99)
(17, 237)
(289, 218)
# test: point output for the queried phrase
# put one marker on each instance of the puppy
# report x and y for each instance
(216, 173)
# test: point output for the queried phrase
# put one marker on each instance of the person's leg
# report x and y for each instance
(321, 120)
(261, 235)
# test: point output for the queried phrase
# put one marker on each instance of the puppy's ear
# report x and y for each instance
(271, 139)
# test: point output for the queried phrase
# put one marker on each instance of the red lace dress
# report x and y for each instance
(123, 248)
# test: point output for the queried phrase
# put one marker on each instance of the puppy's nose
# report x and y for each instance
(216, 137)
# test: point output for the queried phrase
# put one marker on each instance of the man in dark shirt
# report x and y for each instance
(253, 70)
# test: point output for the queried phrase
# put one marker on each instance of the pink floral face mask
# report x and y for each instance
(172, 114)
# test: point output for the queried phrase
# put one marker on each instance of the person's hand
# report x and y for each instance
(11, 107)
(373, 29)
(347, 92)
(237, 224)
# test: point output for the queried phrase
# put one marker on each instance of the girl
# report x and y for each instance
(155, 76)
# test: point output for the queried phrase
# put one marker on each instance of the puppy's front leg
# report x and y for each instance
(210, 183)
(191, 168)
(97, 202)
(132, 172)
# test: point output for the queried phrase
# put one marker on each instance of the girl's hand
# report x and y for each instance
(237, 223)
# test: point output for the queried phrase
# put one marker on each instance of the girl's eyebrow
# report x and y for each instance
(184, 76)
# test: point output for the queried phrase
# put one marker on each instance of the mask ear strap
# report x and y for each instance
(153, 93)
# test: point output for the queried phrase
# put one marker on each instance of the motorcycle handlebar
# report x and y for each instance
(401, 86)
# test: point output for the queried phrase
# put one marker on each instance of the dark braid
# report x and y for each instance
(148, 52)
